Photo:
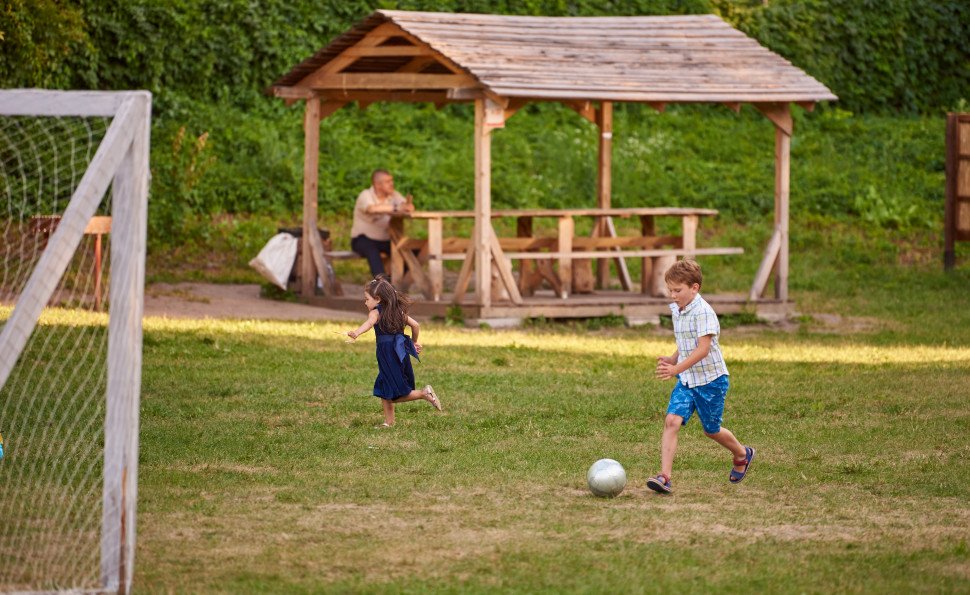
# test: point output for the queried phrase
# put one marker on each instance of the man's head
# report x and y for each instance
(684, 280)
(383, 182)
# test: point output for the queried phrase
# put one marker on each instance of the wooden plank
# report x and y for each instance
(331, 286)
(612, 254)
(951, 190)
(465, 274)
(505, 271)
(311, 167)
(394, 80)
(435, 269)
(764, 269)
(621, 267)
(483, 207)
(782, 172)
(416, 270)
(565, 254)
(584, 109)
(388, 50)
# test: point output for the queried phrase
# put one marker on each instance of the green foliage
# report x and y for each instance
(37, 38)
(876, 55)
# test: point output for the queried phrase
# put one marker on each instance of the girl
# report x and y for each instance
(395, 378)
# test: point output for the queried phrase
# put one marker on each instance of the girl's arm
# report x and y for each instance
(368, 325)
(415, 329)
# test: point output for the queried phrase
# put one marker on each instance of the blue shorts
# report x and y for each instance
(706, 399)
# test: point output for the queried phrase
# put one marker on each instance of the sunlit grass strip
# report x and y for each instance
(748, 349)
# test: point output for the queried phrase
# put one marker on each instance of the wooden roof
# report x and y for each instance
(402, 55)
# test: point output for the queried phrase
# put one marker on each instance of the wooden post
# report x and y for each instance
(311, 162)
(435, 269)
(604, 185)
(128, 238)
(647, 230)
(482, 239)
(690, 234)
(950, 206)
(565, 247)
(782, 171)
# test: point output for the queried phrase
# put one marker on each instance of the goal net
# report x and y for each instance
(73, 204)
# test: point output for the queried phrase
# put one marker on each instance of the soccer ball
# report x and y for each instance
(606, 478)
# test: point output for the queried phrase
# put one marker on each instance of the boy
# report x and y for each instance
(702, 375)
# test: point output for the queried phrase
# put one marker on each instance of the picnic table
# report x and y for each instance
(425, 257)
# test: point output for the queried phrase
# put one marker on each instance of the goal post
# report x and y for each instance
(121, 162)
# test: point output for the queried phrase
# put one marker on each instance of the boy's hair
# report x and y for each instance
(687, 272)
(394, 313)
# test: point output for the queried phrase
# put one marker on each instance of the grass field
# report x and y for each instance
(262, 470)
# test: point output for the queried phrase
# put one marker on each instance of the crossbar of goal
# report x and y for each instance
(121, 161)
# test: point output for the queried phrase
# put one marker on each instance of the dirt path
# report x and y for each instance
(204, 300)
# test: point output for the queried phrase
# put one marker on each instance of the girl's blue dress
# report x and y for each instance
(395, 376)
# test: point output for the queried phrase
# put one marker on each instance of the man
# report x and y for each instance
(369, 235)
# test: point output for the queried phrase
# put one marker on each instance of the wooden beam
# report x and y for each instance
(778, 113)
(376, 37)
(417, 64)
(604, 182)
(657, 105)
(734, 106)
(483, 207)
(465, 274)
(393, 80)
(808, 106)
(311, 162)
(622, 271)
(435, 270)
(388, 50)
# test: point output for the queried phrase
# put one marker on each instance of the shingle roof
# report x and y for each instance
(644, 58)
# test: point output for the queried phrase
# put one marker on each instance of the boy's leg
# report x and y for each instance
(725, 438)
(668, 446)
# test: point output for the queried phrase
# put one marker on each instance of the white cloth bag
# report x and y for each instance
(275, 260)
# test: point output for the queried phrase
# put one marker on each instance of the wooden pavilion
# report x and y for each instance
(501, 63)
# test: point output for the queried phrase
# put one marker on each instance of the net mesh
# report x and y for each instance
(52, 407)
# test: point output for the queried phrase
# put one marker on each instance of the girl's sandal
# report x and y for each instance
(383, 426)
(737, 476)
(432, 397)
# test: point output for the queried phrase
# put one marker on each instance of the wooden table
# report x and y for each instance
(564, 249)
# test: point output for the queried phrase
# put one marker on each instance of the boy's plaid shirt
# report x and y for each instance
(698, 319)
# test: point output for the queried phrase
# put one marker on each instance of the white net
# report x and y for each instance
(52, 406)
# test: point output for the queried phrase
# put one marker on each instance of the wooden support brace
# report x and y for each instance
(779, 114)
(465, 274)
(764, 269)
(505, 271)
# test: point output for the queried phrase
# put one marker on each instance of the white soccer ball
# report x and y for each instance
(606, 478)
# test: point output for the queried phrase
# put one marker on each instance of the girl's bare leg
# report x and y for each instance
(668, 446)
(725, 438)
(388, 411)
(414, 395)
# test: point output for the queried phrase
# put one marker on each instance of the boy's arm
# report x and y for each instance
(667, 370)
(368, 325)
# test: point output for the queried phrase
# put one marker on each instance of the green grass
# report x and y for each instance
(261, 468)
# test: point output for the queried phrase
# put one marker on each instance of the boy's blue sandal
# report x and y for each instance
(737, 476)
(660, 484)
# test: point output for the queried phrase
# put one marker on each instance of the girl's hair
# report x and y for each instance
(394, 313)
